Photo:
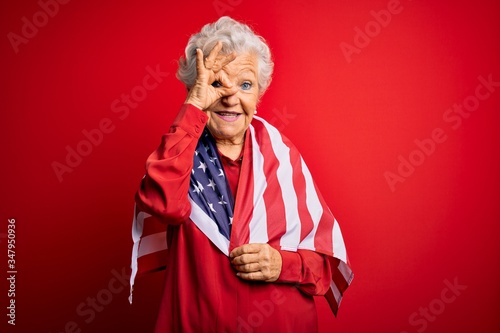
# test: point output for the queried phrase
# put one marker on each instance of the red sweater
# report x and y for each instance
(202, 292)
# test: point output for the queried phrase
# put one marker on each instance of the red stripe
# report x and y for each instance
(243, 207)
(152, 225)
(273, 198)
(323, 240)
(325, 227)
(332, 302)
(340, 283)
(299, 184)
(152, 262)
(337, 276)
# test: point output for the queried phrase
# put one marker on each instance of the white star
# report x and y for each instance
(202, 166)
(212, 159)
(211, 184)
(211, 205)
(221, 174)
(196, 189)
(200, 187)
(196, 152)
(231, 220)
(192, 171)
(222, 202)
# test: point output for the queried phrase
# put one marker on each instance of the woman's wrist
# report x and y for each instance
(193, 103)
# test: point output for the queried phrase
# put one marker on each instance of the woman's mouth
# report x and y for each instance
(228, 116)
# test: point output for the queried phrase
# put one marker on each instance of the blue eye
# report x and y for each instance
(216, 84)
(246, 86)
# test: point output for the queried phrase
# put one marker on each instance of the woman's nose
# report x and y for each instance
(230, 100)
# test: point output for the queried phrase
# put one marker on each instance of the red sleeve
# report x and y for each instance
(308, 269)
(163, 190)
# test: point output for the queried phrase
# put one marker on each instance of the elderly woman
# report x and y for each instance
(249, 240)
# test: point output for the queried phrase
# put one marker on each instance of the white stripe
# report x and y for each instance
(134, 270)
(339, 250)
(345, 271)
(208, 227)
(313, 206)
(258, 223)
(153, 243)
(336, 293)
(137, 228)
(138, 224)
(291, 238)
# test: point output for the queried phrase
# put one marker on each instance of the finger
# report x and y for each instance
(245, 259)
(222, 60)
(227, 88)
(247, 248)
(225, 59)
(253, 276)
(200, 67)
(215, 51)
(225, 80)
(248, 268)
(226, 84)
(212, 56)
(223, 92)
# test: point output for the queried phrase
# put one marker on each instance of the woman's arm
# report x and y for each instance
(164, 188)
(309, 270)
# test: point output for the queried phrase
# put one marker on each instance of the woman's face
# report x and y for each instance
(230, 116)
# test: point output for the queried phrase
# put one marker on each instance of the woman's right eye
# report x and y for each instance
(216, 84)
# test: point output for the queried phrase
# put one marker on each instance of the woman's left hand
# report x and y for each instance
(256, 262)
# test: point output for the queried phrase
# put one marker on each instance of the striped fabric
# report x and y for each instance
(277, 203)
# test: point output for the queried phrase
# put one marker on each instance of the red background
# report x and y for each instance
(351, 121)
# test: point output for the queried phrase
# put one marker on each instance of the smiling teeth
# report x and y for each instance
(227, 114)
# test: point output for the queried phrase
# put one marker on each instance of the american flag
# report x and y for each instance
(278, 203)
(209, 189)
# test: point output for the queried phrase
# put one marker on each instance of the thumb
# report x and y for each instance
(224, 92)
(227, 88)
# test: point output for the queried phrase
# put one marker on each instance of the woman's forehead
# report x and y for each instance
(242, 64)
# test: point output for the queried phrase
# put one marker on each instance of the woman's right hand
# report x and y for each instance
(209, 71)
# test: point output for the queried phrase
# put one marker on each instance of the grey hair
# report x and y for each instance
(235, 37)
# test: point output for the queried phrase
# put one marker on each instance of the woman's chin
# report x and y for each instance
(225, 131)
